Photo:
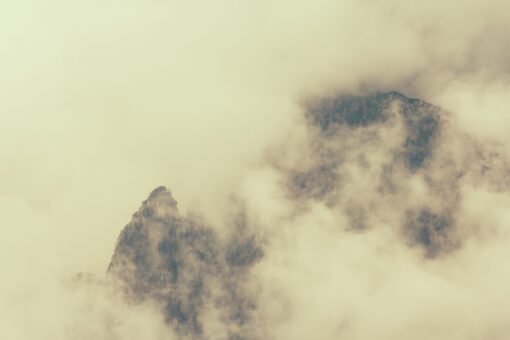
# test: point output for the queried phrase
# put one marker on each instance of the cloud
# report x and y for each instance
(101, 102)
(80, 308)
(390, 249)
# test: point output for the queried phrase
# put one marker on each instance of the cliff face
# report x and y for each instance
(389, 139)
(183, 266)
(421, 119)
(361, 160)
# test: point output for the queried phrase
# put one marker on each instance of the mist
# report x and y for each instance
(101, 102)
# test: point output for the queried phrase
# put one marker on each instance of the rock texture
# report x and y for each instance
(180, 264)
(365, 156)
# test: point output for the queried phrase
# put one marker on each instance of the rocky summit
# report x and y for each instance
(181, 264)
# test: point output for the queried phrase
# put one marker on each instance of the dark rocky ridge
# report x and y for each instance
(335, 120)
(422, 119)
(182, 264)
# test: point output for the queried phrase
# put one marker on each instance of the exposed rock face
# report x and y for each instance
(431, 230)
(380, 145)
(421, 119)
(181, 264)
(352, 131)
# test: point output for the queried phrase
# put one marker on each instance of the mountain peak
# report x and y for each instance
(177, 262)
(161, 190)
(159, 204)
